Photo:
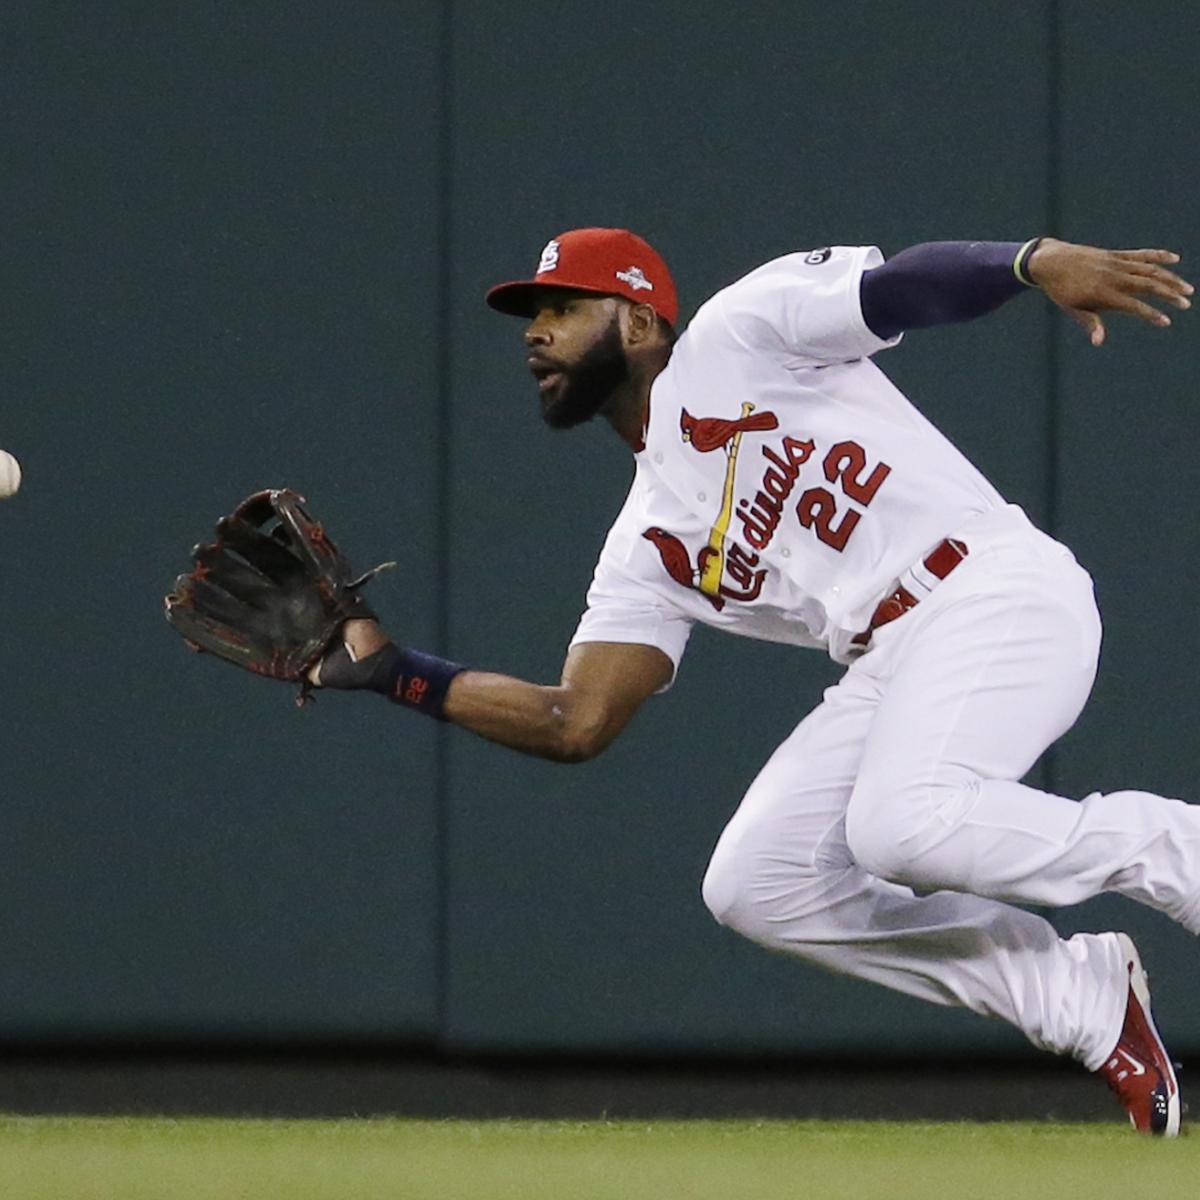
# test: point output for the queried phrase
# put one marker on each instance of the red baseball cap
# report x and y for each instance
(610, 262)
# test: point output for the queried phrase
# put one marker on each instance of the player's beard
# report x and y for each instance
(590, 383)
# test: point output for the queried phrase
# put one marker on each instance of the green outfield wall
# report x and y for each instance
(247, 246)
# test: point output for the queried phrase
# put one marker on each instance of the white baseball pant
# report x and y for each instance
(904, 777)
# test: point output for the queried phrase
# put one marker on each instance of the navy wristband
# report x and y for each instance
(415, 680)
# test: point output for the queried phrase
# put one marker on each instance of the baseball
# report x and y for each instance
(10, 475)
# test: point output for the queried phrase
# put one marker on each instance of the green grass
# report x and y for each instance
(160, 1159)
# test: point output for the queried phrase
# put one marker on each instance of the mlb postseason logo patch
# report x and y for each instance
(549, 259)
(635, 279)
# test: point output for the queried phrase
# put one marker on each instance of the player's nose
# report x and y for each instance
(537, 332)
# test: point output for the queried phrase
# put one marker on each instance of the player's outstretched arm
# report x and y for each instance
(603, 685)
(1086, 281)
(940, 283)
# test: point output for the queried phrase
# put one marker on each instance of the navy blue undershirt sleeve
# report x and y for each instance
(939, 283)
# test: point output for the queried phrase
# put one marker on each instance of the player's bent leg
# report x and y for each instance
(783, 876)
(1067, 996)
(1086, 996)
(973, 690)
(1011, 842)
(790, 823)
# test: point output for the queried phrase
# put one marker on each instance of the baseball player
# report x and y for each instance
(784, 489)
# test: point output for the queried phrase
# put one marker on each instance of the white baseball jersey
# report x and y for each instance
(785, 482)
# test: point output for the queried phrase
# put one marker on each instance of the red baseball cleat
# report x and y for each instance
(1139, 1069)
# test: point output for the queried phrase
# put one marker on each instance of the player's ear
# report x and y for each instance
(641, 324)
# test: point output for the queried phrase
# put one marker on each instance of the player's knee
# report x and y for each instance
(893, 833)
(875, 851)
(724, 883)
(733, 887)
(741, 890)
(879, 833)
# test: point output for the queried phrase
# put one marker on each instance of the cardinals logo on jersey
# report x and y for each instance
(714, 433)
(785, 462)
(741, 566)
(706, 434)
(678, 562)
(715, 560)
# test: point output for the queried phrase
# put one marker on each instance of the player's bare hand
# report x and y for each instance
(1087, 281)
(360, 639)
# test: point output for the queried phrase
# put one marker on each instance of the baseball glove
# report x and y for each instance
(271, 593)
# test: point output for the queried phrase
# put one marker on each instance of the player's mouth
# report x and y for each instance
(547, 374)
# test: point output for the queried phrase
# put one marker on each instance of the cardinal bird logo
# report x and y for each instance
(714, 433)
(706, 434)
(678, 563)
(716, 560)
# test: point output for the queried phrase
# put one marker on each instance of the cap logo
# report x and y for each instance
(635, 279)
(549, 259)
